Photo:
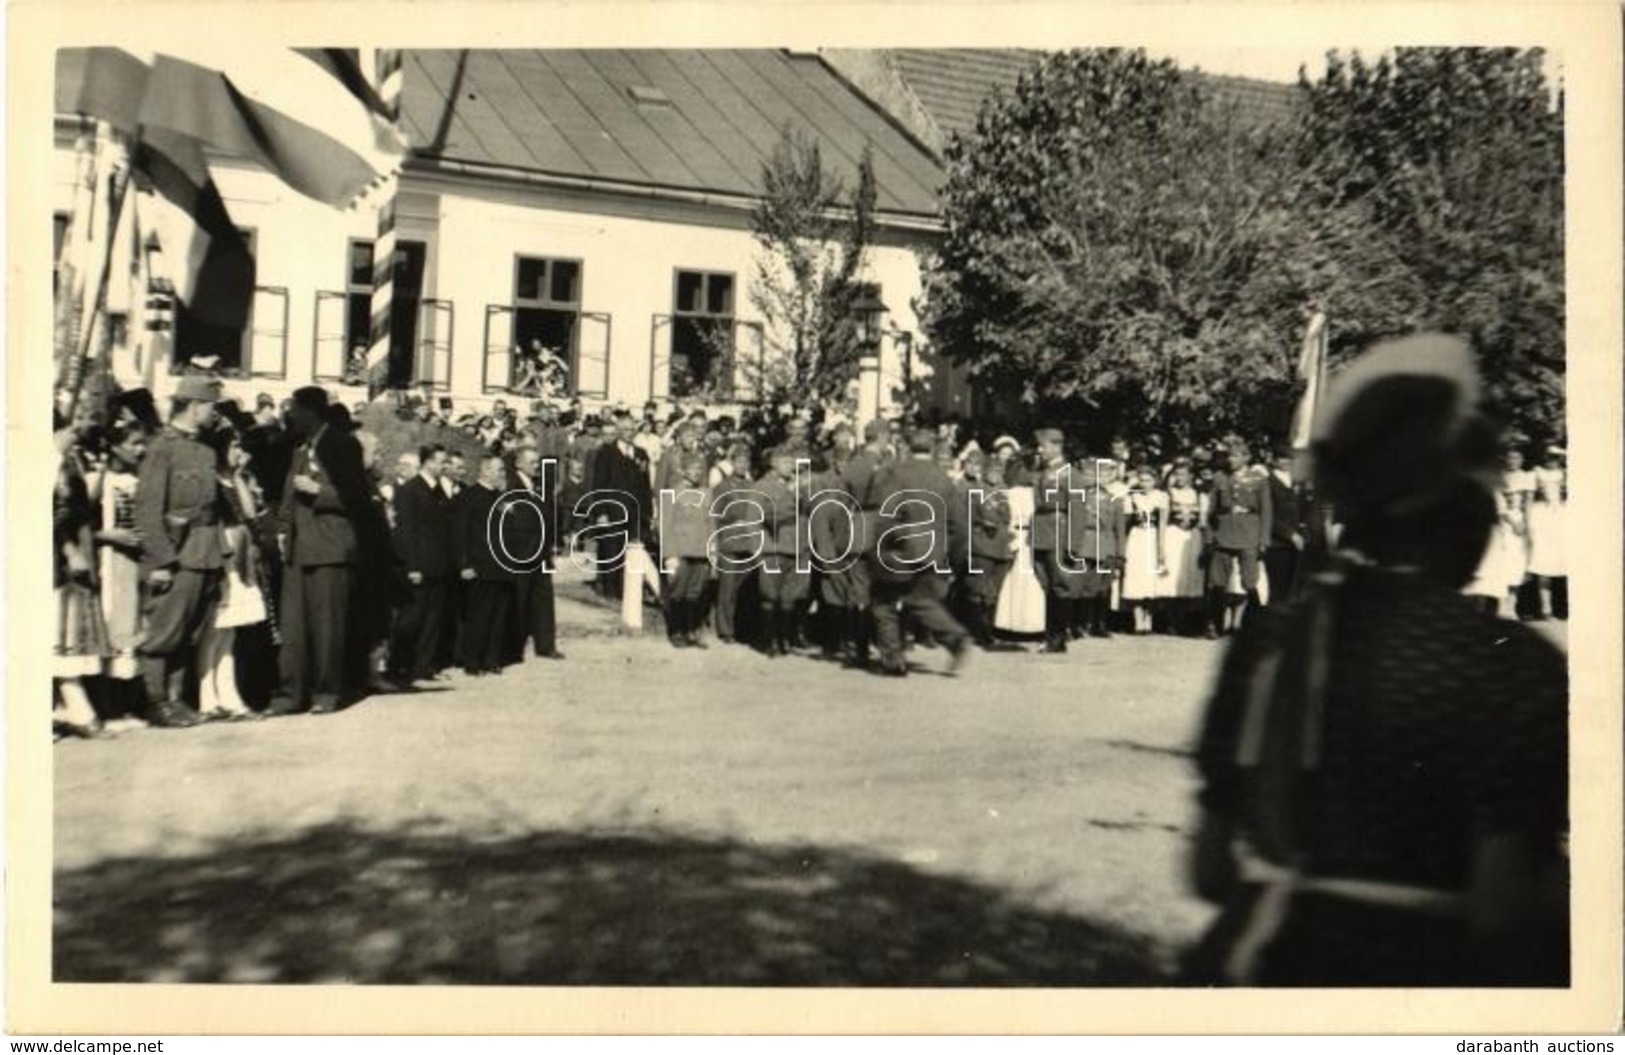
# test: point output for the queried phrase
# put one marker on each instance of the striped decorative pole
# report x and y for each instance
(389, 80)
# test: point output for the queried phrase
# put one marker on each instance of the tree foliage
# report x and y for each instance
(812, 237)
(1125, 250)
(1456, 154)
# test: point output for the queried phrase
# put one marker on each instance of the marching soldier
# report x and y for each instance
(857, 481)
(178, 511)
(910, 566)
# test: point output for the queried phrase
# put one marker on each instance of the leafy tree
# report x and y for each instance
(1456, 154)
(811, 239)
(1125, 251)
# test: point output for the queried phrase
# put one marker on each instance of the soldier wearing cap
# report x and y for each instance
(919, 527)
(1057, 505)
(858, 480)
(178, 511)
(1243, 520)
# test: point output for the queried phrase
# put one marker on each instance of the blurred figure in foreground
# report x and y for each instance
(1384, 764)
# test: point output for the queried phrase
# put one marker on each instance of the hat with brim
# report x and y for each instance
(1401, 428)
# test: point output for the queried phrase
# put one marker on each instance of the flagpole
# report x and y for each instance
(390, 77)
(112, 177)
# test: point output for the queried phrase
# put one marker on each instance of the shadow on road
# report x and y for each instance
(341, 904)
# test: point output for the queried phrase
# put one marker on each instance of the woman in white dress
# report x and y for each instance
(1505, 562)
(1548, 542)
(1144, 565)
(1021, 600)
(112, 488)
(1182, 588)
(242, 596)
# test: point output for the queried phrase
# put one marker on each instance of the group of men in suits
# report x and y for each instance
(477, 561)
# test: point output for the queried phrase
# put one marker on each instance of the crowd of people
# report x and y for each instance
(235, 564)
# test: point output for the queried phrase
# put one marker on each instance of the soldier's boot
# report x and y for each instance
(1100, 616)
(693, 619)
(1057, 628)
(1215, 613)
(675, 624)
(166, 694)
(858, 636)
(767, 633)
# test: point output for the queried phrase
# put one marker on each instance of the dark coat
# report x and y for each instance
(321, 528)
(610, 471)
(423, 528)
(923, 532)
(470, 541)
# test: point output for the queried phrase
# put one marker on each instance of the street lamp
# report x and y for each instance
(868, 309)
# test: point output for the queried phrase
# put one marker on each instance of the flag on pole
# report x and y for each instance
(199, 253)
(308, 117)
(1312, 372)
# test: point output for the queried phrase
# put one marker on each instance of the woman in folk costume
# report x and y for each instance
(990, 550)
(1145, 560)
(119, 553)
(242, 595)
(1498, 579)
(1385, 766)
(1182, 589)
(1548, 541)
(81, 635)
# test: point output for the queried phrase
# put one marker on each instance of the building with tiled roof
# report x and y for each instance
(596, 204)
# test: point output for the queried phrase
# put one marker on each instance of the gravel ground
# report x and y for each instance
(640, 815)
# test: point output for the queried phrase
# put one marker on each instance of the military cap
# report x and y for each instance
(922, 440)
(1049, 436)
(198, 389)
(878, 429)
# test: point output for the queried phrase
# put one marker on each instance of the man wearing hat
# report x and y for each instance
(1242, 516)
(326, 495)
(920, 526)
(178, 510)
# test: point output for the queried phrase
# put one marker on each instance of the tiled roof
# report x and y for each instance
(693, 120)
(952, 83)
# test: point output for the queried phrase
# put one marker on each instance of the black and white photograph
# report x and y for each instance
(1087, 515)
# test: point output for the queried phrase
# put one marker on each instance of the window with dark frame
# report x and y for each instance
(702, 334)
(546, 317)
(410, 257)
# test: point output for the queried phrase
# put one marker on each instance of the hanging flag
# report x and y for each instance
(1312, 373)
(308, 117)
(199, 252)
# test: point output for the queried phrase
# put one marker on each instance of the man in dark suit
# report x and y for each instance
(488, 581)
(327, 493)
(920, 525)
(620, 471)
(423, 523)
(530, 535)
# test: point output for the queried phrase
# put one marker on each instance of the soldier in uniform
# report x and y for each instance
(991, 552)
(857, 481)
(1242, 524)
(178, 512)
(910, 560)
(1057, 506)
(1097, 546)
(780, 585)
